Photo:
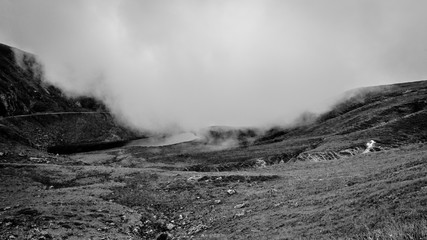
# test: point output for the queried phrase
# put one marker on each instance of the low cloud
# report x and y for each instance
(164, 65)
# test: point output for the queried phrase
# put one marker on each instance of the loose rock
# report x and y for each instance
(170, 226)
(260, 163)
(231, 191)
(242, 205)
(196, 229)
(194, 178)
(240, 214)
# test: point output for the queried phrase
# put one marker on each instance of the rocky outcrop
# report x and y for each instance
(328, 155)
(371, 146)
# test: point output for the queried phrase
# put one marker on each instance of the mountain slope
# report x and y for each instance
(22, 90)
(35, 113)
(391, 115)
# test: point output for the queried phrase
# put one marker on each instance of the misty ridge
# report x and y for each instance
(179, 67)
(213, 137)
(217, 138)
(220, 137)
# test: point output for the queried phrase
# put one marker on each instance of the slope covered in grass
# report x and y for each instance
(391, 115)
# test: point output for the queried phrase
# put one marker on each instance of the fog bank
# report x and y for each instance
(163, 65)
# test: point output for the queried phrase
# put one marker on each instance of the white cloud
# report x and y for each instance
(159, 64)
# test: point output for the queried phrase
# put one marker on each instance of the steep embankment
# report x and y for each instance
(35, 113)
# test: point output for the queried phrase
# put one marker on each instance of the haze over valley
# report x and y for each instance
(162, 65)
(225, 119)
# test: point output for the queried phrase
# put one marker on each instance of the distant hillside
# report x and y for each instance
(35, 113)
(391, 115)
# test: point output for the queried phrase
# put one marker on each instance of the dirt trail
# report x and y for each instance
(51, 113)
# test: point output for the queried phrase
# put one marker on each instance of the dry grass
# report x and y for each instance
(397, 231)
(370, 196)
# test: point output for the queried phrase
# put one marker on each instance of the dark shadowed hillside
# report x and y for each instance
(22, 90)
(37, 114)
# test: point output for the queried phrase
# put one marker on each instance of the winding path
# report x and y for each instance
(50, 113)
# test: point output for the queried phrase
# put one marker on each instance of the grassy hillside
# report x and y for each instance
(393, 116)
(390, 114)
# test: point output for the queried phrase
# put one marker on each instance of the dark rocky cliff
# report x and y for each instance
(35, 113)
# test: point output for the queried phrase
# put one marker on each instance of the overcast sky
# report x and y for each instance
(160, 64)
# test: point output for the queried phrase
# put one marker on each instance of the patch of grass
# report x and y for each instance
(138, 190)
(56, 179)
(396, 231)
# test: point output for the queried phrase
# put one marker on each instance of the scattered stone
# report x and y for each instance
(6, 208)
(231, 191)
(39, 160)
(240, 214)
(194, 178)
(218, 201)
(103, 229)
(242, 205)
(272, 192)
(170, 226)
(369, 146)
(2, 154)
(197, 229)
(260, 163)
(136, 229)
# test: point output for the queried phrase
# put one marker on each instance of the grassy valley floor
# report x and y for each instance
(117, 194)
